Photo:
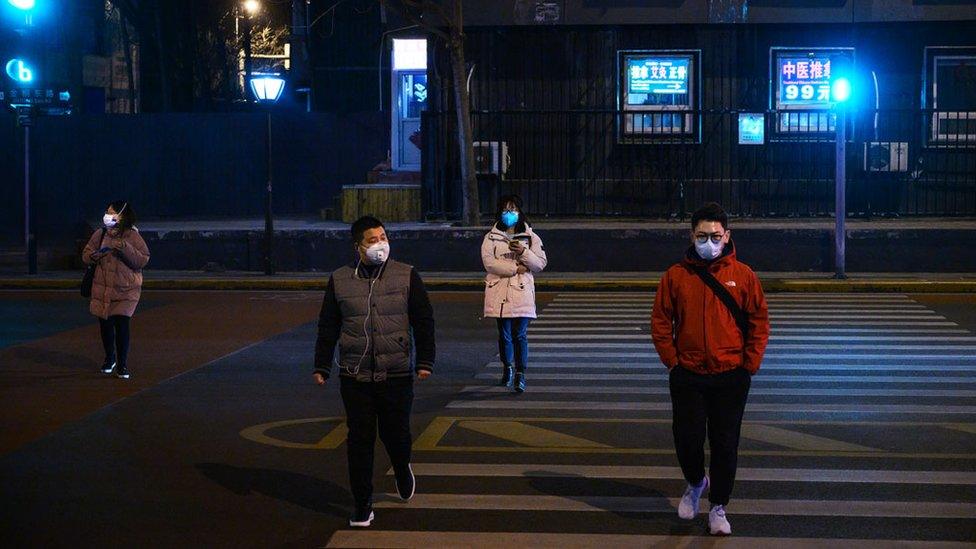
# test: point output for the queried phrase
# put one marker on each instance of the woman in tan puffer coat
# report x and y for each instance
(120, 253)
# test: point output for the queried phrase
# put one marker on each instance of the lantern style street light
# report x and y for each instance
(267, 88)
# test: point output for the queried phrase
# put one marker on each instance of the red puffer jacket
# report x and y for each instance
(691, 327)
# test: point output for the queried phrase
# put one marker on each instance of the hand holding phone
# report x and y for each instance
(516, 246)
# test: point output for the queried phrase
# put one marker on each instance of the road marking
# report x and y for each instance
(762, 378)
(910, 366)
(645, 321)
(528, 435)
(757, 391)
(776, 346)
(646, 337)
(644, 472)
(774, 311)
(799, 441)
(768, 356)
(794, 407)
(617, 504)
(358, 539)
(599, 317)
(331, 441)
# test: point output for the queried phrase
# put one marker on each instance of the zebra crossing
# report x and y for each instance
(860, 430)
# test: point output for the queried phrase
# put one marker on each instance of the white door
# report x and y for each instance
(409, 100)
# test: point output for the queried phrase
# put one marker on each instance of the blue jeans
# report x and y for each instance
(513, 342)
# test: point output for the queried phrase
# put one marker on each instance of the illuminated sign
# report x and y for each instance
(804, 80)
(656, 75)
(752, 128)
(19, 70)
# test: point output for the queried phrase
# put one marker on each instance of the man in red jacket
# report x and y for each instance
(711, 352)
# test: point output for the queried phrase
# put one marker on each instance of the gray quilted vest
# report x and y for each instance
(387, 325)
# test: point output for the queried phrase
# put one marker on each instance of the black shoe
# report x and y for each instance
(122, 372)
(508, 373)
(362, 518)
(108, 367)
(519, 382)
(406, 483)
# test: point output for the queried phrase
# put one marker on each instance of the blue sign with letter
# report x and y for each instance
(19, 70)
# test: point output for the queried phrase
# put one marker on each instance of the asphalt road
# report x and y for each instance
(860, 426)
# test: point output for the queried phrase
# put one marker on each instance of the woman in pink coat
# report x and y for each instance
(120, 253)
(512, 253)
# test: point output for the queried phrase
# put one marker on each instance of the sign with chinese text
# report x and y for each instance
(805, 80)
(657, 75)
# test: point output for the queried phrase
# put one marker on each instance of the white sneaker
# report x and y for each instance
(717, 523)
(688, 507)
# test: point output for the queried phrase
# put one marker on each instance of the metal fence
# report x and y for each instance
(665, 164)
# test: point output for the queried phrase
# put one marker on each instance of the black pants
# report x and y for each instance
(712, 404)
(115, 339)
(386, 404)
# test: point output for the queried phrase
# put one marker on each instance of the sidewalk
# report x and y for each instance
(555, 281)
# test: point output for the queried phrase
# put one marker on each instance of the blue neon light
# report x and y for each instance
(22, 4)
(841, 90)
(19, 70)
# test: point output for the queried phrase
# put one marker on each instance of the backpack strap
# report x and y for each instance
(740, 316)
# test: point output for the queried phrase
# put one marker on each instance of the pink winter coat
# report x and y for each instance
(118, 277)
(507, 293)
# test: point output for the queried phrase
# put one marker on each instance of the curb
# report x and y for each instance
(550, 285)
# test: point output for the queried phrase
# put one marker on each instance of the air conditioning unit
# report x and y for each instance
(491, 157)
(885, 156)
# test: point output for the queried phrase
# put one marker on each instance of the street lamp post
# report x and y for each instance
(269, 266)
(840, 93)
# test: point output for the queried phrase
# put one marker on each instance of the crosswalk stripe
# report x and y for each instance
(646, 472)
(776, 331)
(644, 321)
(647, 337)
(597, 314)
(755, 391)
(763, 377)
(646, 344)
(620, 504)
(369, 539)
(798, 367)
(769, 356)
(907, 309)
(645, 406)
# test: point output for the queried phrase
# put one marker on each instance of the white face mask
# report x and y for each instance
(709, 250)
(378, 253)
(110, 220)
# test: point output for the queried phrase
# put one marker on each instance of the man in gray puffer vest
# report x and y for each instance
(373, 311)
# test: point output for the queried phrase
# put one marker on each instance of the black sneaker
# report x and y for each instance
(108, 367)
(406, 483)
(507, 374)
(362, 518)
(122, 372)
(519, 382)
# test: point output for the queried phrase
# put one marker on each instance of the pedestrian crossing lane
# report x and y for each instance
(842, 374)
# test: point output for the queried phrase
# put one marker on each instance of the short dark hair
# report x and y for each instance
(503, 201)
(710, 211)
(127, 215)
(363, 224)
